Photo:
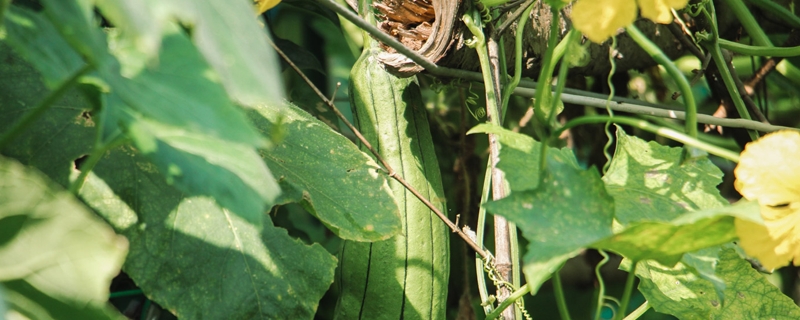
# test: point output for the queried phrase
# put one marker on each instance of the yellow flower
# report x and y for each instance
(769, 172)
(600, 19)
(660, 10)
(264, 5)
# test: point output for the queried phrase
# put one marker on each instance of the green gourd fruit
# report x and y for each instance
(404, 277)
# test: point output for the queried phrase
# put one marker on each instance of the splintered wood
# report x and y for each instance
(407, 20)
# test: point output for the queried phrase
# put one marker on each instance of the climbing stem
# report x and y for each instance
(558, 289)
(661, 131)
(626, 295)
(635, 314)
(674, 72)
(601, 286)
(761, 51)
(543, 105)
(711, 42)
(523, 21)
(516, 295)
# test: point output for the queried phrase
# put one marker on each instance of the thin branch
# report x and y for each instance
(655, 110)
(389, 170)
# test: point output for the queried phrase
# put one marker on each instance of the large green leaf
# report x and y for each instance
(72, 19)
(650, 181)
(328, 175)
(175, 112)
(61, 135)
(199, 260)
(666, 242)
(568, 211)
(40, 44)
(56, 257)
(747, 295)
(226, 32)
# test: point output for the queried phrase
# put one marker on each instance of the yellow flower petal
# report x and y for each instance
(660, 10)
(769, 172)
(600, 19)
(264, 5)
(769, 169)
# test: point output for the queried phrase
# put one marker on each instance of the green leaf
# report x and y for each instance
(231, 173)
(567, 212)
(38, 41)
(56, 257)
(649, 182)
(207, 143)
(182, 92)
(520, 155)
(227, 34)
(747, 294)
(666, 242)
(199, 260)
(72, 20)
(62, 134)
(328, 175)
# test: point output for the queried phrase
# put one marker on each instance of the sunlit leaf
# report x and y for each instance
(328, 175)
(56, 257)
(199, 260)
(650, 181)
(747, 294)
(38, 41)
(666, 242)
(770, 173)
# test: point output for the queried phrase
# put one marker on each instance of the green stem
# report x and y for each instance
(542, 106)
(778, 11)
(516, 277)
(523, 21)
(749, 22)
(508, 301)
(483, 57)
(674, 72)
(43, 105)
(712, 46)
(479, 235)
(94, 158)
(626, 295)
(760, 51)
(601, 291)
(715, 139)
(661, 131)
(125, 293)
(558, 290)
(571, 36)
(635, 314)
(503, 239)
(591, 99)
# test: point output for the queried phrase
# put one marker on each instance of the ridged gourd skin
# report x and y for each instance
(404, 277)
